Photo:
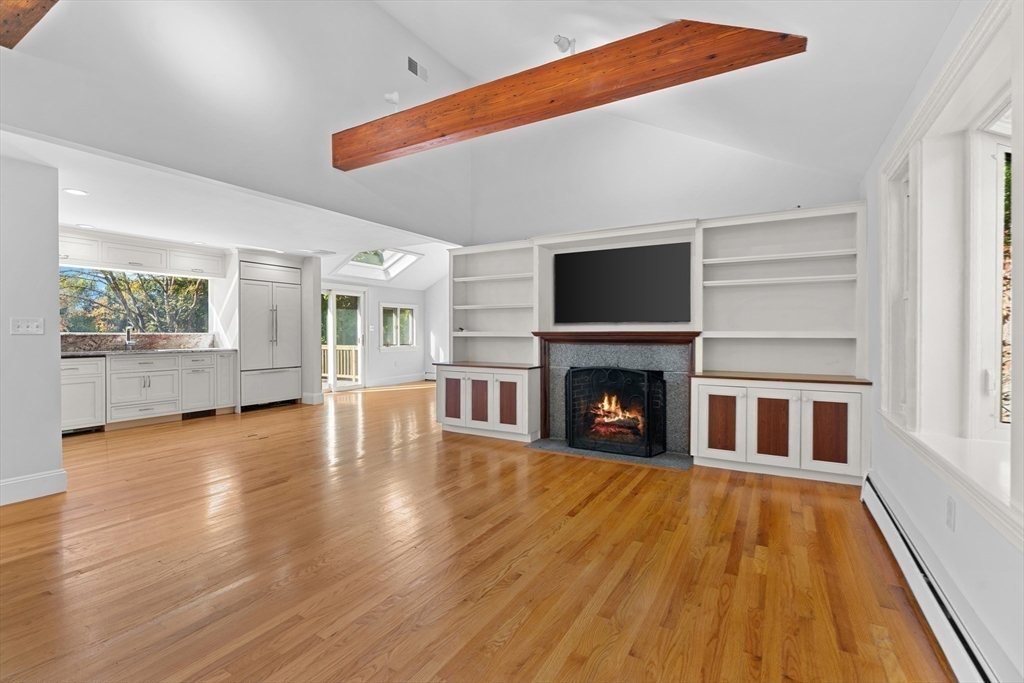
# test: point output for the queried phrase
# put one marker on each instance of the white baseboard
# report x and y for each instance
(508, 436)
(17, 489)
(778, 471)
(949, 633)
(430, 376)
(391, 381)
(313, 398)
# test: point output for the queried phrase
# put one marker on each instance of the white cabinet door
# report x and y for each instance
(830, 432)
(161, 386)
(773, 427)
(130, 255)
(287, 348)
(508, 406)
(451, 398)
(266, 386)
(722, 422)
(198, 263)
(78, 250)
(198, 390)
(256, 325)
(225, 380)
(82, 401)
(477, 401)
(128, 388)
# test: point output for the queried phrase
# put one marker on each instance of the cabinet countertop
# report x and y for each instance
(141, 352)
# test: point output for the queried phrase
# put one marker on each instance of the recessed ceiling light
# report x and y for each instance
(199, 243)
(79, 193)
(83, 226)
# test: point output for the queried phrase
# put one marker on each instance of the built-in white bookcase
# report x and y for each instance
(785, 292)
(493, 303)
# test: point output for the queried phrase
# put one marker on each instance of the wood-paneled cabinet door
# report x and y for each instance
(478, 399)
(287, 325)
(450, 395)
(198, 390)
(723, 425)
(256, 325)
(127, 388)
(225, 380)
(830, 428)
(162, 385)
(773, 427)
(82, 402)
(509, 404)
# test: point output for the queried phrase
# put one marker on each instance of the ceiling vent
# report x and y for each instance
(417, 69)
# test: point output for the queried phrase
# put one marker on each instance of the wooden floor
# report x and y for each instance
(354, 542)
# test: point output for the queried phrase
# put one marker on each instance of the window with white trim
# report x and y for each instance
(397, 326)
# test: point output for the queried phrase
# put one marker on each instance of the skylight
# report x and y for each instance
(378, 264)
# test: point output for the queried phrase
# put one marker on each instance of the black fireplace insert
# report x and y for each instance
(616, 410)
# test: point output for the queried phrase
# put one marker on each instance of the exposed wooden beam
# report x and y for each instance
(676, 53)
(17, 17)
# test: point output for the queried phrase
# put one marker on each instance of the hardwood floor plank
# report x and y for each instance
(356, 541)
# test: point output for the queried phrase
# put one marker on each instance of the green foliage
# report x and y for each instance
(94, 300)
(374, 257)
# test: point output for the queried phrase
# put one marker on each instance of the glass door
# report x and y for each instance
(341, 339)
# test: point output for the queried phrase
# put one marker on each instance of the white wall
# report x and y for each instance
(436, 325)
(979, 570)
(30, 446)
(591, 170)
(312, 383)
(384, 368)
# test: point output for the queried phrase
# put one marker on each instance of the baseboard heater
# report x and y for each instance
(963, 656)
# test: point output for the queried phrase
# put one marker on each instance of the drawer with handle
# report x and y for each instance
(138, 412)
(80, 367)
(143, 362)
(197, 360)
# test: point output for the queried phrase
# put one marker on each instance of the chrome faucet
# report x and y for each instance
(128, 341)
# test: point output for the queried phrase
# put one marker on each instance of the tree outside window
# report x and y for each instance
(94, 300)
(398, 326)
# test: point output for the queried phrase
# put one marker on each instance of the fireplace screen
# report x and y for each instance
(615, 410)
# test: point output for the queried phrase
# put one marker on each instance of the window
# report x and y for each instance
(398, 326)
(94, 300)
(377, 264)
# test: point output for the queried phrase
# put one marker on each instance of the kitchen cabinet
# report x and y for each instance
(82, 393)
(195, 262)
(226, 380)
(78, 250)
(133, 255)
(198, 389)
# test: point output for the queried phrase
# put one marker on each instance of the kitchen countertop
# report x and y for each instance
(140, 352)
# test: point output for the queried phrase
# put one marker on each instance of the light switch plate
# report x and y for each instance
(26, 325)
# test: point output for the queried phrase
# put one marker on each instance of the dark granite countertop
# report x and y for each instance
(140, 352)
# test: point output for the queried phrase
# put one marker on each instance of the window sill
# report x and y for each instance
(392, 349)
(978, 470)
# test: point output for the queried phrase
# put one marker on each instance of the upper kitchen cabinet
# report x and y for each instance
(93, 249)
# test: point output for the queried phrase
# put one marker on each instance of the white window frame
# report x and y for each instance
(415, 327)
(986, 159)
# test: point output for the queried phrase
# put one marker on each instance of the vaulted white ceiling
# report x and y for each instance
(247, 94)
(828, 109)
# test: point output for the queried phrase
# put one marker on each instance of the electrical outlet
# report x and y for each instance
(26, 325)
(950, 513)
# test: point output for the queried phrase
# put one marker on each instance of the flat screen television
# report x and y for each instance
(631, 285)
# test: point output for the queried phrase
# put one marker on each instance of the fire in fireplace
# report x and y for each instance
(615, 410)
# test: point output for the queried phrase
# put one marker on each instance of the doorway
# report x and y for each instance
(342, 320)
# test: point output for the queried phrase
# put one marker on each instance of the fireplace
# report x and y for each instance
(616, 410)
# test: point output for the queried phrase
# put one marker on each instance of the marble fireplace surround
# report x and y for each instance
(670, 352)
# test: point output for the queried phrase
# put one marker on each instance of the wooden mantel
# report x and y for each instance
(669, 55)
(596, 337)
